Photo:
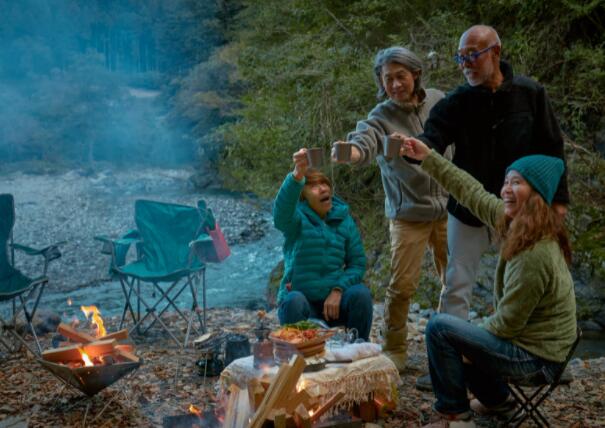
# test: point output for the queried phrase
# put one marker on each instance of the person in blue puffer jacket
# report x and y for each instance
(324, 259)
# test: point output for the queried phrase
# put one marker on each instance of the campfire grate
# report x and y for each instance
(90, 380)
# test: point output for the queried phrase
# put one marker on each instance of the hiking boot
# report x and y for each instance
(395, 347)
(504, 410)
(423, 383)
(398, 358)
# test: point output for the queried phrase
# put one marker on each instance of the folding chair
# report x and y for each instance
(15, 287)
(168, 239)
(529, 403)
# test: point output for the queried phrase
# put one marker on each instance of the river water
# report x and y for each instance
(77, 205)
(239, 281)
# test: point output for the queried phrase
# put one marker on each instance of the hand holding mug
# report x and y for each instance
(344, 152)
(415, 149)
(301, 163)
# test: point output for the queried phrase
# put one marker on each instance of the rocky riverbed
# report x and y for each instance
(75, 206)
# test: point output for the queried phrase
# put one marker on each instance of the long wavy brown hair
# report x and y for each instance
(534, 222)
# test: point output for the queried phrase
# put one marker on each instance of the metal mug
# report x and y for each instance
(391, 146)
(342, 152)
(315, 157)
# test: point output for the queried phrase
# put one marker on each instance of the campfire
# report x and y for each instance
(91, 363)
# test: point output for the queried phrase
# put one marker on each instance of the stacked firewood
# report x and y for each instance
(105, 350)
(281, 402)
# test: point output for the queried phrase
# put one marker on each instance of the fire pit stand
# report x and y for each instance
(90, 381)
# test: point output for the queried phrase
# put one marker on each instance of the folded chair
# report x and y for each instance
(529, 403)
(168, 239)
(16, 288)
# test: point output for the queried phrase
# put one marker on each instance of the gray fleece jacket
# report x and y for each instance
(410, 194)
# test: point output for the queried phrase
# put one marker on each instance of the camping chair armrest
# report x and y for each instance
(118, 248)
(49, 253)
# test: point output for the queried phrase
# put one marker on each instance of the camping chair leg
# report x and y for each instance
(138, 300)
(128, 305)
(164, 295)
(204, 304)
(151, 311)
(194, 291)
(170, 301)
(535, 406)
(525, 404)
(29, 316)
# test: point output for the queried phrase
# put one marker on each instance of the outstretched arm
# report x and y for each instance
(459, 183)
(285, 215)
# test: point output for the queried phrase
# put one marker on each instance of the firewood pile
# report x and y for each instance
(281, 402)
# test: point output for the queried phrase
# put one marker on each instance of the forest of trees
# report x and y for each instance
(242, 84)
(66, 67)
(302, 77)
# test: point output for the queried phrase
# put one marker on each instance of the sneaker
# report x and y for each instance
(463, 420)
(504, 410)
(423, 383)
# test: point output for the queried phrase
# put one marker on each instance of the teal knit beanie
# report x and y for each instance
(542, 172)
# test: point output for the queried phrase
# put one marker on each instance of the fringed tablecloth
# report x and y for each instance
(359, 380)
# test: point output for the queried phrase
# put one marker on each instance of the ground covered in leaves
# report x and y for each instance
(169, 381)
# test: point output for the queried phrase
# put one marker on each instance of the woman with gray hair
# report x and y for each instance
(414, 203)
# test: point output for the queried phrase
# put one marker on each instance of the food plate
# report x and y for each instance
(307, 348)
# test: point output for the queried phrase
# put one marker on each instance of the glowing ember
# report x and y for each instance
(195, 410)
(96, 318)
(86, 359)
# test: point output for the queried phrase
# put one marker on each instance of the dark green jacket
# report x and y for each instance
(534, 300)
(319, 254)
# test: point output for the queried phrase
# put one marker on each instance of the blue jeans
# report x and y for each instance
(494, 361)
(355, 309)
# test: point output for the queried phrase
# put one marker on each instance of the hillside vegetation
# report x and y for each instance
(298, 73)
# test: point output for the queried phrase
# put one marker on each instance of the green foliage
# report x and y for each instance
(304, 73)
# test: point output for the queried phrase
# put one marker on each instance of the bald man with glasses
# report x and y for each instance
(494, 119)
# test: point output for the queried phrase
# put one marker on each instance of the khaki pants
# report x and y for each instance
(408, 244)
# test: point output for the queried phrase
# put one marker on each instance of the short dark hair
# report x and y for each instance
(314, 176)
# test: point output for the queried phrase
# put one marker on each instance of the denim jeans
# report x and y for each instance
(493, 361)
(355, 309)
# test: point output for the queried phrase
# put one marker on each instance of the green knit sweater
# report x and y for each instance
(534, 300)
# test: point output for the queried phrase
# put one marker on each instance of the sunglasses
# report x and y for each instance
(471, 57)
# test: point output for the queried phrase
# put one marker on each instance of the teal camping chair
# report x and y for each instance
(168, 240)
(16, 288)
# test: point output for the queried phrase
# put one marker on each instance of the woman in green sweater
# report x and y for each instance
(534, 323)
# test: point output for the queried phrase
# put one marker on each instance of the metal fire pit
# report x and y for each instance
(90, 380)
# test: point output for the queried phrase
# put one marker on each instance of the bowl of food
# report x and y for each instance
(304, 337)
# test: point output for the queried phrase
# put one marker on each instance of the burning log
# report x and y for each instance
(71, 333)
(74, 352)
(74, 335)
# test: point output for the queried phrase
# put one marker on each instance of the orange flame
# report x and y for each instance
(69, 301)
(96, 318)
(86, 359)
(195, 410)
